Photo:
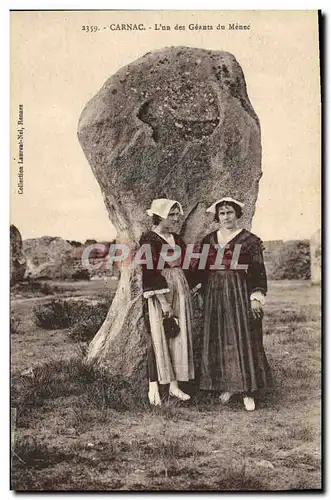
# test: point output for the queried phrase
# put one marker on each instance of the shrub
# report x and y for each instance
(91, 319)
(289, 260)
(74, 243)
(69, 313)
(53, 315)
(81, 274)
(15, 324)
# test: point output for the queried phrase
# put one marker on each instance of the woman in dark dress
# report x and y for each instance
(233, 358)
(166, 292)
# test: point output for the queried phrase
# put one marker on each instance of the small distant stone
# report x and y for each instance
(28, 372)
(265, 463)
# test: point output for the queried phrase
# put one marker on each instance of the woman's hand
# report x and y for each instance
(257, 309)
(200, 301)
(167, 309)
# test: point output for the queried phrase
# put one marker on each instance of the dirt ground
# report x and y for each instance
(74, 429)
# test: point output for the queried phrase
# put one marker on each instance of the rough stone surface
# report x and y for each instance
(315, 256)
(48, 257)
(53, 257)
(17, 258)
(175, 123)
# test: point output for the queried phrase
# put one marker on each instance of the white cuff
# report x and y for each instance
(258, 296)
(151, 293)
(196, 288)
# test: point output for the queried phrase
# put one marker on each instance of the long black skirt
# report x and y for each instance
(233, 357)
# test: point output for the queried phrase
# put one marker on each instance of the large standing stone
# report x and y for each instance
(17, 258)
(315, 257)
(48, 257)
(176, 123)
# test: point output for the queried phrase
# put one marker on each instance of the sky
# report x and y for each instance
(56, 68)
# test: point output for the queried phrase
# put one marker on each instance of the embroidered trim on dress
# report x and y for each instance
(151, 293)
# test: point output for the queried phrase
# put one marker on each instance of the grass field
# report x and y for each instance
(75, 428)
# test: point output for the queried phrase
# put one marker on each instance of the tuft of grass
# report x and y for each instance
(303, 336)
(30, 458)
(58, 379)
(301, 432)
(167, 454)
(168, 447)
(15, 325)
(33, 453)
(292, 316)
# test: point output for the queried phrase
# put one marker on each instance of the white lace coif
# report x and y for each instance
(162, 207)
(212, 207)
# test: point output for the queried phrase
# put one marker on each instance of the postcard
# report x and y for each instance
(165, 233)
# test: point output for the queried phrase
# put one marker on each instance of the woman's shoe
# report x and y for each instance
(225, 397)
(249, 403)
(177, 393)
